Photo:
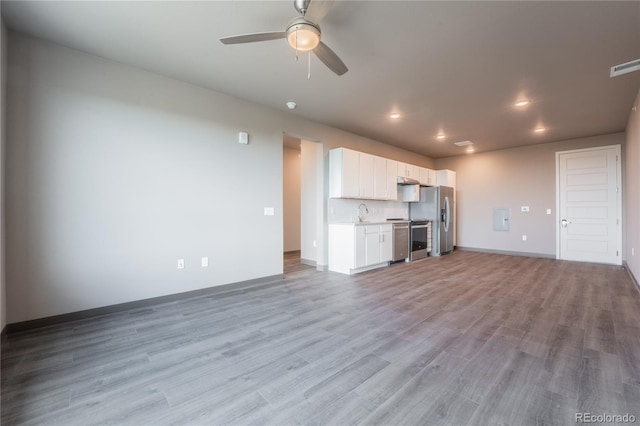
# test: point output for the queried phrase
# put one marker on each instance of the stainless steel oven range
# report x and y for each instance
(420, 239)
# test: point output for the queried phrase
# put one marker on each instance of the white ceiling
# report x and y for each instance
(447, 66)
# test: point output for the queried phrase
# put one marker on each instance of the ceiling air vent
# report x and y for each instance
(463, 143)
(625, 68)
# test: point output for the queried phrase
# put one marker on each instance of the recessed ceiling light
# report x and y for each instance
(521, 103)
(470, 150)
(540, 129)
(394, 115)
(440, 136)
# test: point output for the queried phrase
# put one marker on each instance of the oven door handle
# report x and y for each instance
(419, 226)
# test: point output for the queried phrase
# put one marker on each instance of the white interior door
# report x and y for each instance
(589, 205)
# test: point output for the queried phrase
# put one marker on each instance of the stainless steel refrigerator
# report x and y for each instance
(436, 204)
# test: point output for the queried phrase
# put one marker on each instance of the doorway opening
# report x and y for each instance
(303, 205)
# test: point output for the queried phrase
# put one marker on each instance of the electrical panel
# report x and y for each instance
(501, 219)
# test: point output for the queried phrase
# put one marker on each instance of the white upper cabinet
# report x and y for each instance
(344, 173)
(432, 177)
(367, 175)
(413, 172)
(380, 187)
(408, 171)
(392, 180)
(351, 174)
(427, 177)
(386, 179)
(446, 178)
(354, 174)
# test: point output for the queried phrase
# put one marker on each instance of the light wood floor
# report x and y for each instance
(293, 268)
(468, 338)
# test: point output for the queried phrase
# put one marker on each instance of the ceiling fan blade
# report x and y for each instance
(318, 10)
(330, 59)
(251, 38)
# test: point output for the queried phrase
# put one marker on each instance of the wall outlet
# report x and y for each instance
(314, 243)
(180, 263)
(205, 262)
(524, 238)
(548, 211)
(524, 209)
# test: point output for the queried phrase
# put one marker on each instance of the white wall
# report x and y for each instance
(311, 157)
(512, 178)
(632, 191)
(3, 91)
(291, 199)
(113, 173)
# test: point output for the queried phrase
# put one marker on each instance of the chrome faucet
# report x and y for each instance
(360, 214)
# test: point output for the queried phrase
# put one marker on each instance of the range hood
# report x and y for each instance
(407, 181)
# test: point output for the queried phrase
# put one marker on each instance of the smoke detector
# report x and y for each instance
(291, 105)
(625, 68)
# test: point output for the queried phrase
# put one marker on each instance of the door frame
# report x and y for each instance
(318, 227)
(618, 149)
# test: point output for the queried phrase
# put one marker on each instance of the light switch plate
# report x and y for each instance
(205, 262)
(243, 138)
(548, 211)
(524, 209)
(180, 263)
(524, 238)
(269, 211)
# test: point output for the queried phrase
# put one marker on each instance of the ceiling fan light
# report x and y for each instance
(303, 40)
(303, 36)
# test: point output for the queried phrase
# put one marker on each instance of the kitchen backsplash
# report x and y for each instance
(344, 210)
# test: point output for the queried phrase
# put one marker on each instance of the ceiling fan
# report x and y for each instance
(301, 33)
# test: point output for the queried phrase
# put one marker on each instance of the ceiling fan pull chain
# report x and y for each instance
(309, 66)
(296, 34)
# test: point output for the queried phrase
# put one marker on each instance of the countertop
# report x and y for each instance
(373, 222)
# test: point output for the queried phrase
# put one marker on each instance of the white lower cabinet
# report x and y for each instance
(356, 248)
(372, 245)
(386, 243)
(360, 248)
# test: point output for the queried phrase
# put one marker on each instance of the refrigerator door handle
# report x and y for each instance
(446, 214)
